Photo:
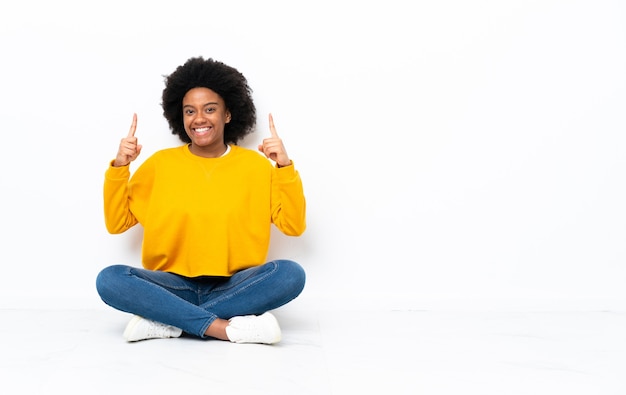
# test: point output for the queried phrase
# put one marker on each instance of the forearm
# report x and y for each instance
(117, 215)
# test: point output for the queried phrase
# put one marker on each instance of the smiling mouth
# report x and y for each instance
(203, 130)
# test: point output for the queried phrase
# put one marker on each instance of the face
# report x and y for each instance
(204, 117)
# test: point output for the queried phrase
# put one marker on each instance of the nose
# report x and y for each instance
(198, 119)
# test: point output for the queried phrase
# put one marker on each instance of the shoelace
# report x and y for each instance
(157, 329)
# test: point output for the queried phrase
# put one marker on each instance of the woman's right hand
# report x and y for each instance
(129, 149)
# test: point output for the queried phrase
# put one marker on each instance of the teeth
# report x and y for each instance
(201, 130)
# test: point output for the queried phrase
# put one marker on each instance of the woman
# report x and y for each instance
(206, 208)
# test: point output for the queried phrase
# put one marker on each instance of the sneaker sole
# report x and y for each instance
(277, 332)
(130, 327)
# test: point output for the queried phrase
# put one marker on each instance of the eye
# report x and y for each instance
(209, 110)
(188, 111)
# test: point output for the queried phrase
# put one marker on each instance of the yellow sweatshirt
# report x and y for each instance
(204, 216)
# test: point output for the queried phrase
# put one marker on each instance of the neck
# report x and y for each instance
(208, 151)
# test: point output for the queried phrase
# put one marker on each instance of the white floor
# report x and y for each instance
(323, 352)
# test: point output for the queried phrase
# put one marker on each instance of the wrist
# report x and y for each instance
(115, 163)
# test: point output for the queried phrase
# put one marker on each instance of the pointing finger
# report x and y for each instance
(272, 127)
(133, 126)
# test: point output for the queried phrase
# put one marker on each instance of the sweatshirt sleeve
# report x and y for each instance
(117, 215)
(288, 202)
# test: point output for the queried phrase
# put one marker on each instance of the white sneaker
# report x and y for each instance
(140, 328)
(254, 329)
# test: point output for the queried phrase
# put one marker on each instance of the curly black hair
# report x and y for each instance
(222, 79)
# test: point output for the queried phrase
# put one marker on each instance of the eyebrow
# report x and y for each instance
(211, 103)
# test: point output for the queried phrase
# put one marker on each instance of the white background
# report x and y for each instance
(457, 154)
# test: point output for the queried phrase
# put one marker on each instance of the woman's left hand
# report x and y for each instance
(273, 148)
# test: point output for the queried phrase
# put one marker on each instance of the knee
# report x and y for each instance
(108, 279)
(293, 275)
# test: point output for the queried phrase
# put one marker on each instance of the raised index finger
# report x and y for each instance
(272, 127)
(133, 126)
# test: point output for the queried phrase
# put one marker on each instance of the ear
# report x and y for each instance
(228, 116)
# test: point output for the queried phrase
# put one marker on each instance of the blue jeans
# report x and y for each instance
(192, 304)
